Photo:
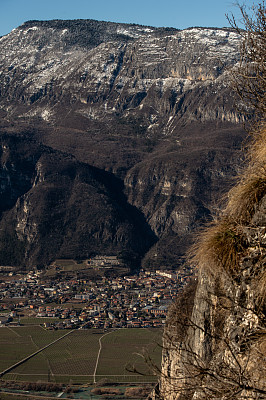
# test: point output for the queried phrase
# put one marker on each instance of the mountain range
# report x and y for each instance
(115, 138)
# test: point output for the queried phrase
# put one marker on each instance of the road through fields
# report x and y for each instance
(99, 352)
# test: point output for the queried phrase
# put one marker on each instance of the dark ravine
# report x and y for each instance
(64, 208)
(113, 137)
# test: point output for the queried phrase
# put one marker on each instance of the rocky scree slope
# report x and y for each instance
(150, 106)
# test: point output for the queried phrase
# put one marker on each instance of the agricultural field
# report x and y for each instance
(83, 356)
(17, 343)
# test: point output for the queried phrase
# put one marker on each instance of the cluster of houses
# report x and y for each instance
(132, 301)
(103, 261)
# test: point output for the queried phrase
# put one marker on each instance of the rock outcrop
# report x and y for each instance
(214, 342)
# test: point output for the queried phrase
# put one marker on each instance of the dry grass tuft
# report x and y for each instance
(247, 194)
(257, 150)
(221, 245)
(244, 198)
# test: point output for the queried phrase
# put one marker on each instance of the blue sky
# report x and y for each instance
(172, 13)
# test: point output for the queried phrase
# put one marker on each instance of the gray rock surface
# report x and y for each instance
(222, 353)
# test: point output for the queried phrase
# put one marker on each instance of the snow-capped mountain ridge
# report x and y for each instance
(152, 107)
(108, 59)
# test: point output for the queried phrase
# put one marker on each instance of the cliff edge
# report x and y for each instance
(214, 340)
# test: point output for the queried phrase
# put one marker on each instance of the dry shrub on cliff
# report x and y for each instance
(256, 150)
(218, 247)
(224, 242)
(249, 81)
(249, 77)
(251, 187)
(245, 197)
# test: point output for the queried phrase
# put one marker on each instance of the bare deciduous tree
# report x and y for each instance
(249, 77)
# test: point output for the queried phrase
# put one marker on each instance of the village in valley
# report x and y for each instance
(101, 301)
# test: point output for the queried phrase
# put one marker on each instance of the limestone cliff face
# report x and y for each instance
(214, 340)
(91, 70)
(175, 194)
(223, 352)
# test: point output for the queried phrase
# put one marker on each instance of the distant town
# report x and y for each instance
(130, 301)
